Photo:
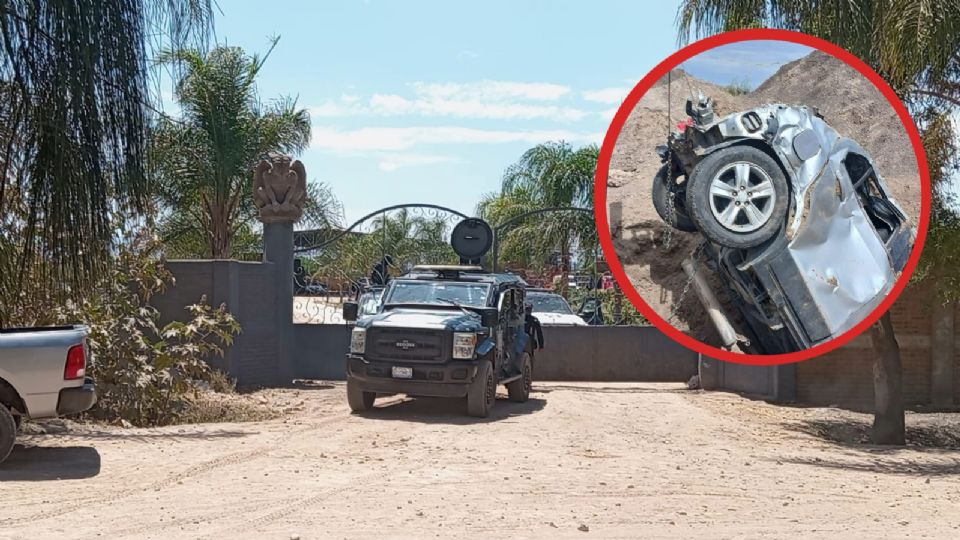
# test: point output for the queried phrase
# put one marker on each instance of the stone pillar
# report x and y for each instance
(280, 191)
(941, 354)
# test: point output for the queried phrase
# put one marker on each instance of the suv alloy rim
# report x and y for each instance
(742, 197)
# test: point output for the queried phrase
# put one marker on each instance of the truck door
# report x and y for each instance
(514, 329)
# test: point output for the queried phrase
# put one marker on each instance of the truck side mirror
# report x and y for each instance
(489, 317)
(350, 311)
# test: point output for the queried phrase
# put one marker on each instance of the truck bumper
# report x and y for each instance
(451, 379)
(78, 399)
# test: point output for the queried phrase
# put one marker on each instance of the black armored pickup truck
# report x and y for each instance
(443, 331)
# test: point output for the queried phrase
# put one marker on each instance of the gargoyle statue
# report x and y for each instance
(280, 189)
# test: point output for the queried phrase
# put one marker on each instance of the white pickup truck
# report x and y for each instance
(42, 375)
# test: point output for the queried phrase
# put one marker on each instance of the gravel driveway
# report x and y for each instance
(577, 460)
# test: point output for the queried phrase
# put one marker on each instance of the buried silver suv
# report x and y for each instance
(795, 216)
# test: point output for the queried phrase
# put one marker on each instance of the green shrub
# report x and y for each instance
(608, 299)
(146, 374)
(738, 88)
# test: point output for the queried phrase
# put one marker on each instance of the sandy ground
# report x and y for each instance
(849, 103)
(577, 460)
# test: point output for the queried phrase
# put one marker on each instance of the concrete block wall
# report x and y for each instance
(612, 353)
(248, 292)
(844, 377)
(594, 353)
(319, 350)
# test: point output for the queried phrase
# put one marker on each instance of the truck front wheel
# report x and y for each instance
(359, 400)
(519, 390)
(8, 432)
(482, 392)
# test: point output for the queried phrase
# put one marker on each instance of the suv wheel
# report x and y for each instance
(8, 432)
(738, 197)
(670, 203)
(519, 390)
(359, 400)
(482, 392)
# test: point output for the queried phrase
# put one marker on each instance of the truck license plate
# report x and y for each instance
(402, 372)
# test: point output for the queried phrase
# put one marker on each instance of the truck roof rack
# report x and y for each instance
(447, 268)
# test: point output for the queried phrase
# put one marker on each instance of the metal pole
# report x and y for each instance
(727, 334)
(496, 249)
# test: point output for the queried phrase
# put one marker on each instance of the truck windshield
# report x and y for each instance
(433, 292)
(548, 303)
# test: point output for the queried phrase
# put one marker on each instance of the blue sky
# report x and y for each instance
(430, 101)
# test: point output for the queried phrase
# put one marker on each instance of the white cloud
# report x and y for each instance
(497, 100)
(391, 104)
(607, 95)
(492, 90)
(392, 161)
(396, 139)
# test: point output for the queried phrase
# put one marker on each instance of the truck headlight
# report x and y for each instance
(464, 344)
(358, 340)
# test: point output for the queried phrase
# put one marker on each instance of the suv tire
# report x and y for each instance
(482, 392)
(738, 218)
(519, 390)
(664, 195)
(359, 400)
(8, 432)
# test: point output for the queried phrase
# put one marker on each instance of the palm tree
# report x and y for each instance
(549, 175)
(75, 103)
(408, 238)
(915, 46)
(204, 159)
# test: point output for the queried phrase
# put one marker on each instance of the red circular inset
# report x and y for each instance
(616, 126)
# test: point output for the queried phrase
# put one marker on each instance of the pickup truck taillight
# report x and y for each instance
(76, 363)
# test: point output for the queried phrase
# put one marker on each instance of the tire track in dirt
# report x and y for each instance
(139, 529)
(190, 472)
(293, 505)
(286, 508)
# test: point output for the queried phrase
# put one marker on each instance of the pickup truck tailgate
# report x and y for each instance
(32, 360)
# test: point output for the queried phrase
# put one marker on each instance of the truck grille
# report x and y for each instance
(406, 344)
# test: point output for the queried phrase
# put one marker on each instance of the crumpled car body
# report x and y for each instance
(842, 245)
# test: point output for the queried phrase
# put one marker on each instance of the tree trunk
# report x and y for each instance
(888, 420)
(219, 235)
(564, 268)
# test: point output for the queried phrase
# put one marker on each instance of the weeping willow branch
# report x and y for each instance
(75, 108)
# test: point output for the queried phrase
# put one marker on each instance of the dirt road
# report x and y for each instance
(577, 460)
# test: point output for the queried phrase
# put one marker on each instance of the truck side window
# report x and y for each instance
(506, 303)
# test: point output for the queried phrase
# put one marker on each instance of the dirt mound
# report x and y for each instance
(846, 99)
(856, 109)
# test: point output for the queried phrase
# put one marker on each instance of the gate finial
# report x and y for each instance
(280, 189)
